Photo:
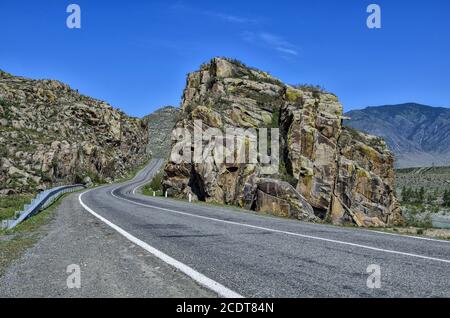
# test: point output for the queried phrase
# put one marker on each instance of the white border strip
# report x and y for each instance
(410, 236)
(288, 233)
(221, 290)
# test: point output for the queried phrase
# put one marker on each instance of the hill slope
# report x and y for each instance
(50, 134)
(160, 125)
(419, 135)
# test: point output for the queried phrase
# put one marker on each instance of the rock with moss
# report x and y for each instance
(52, 135)
(335, 174)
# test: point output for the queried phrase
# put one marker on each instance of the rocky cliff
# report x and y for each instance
(50, 135)
(160, 125)
(326, 172)
(418, 135)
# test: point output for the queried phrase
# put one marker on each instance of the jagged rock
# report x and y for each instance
(87, 182)
(311, 124)
(52, 135)
(333, 177)
(6, 192)
(365, 180)
(280, 198)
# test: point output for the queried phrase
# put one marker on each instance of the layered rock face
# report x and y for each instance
(51, 135)
(326, 172)
(160, 125)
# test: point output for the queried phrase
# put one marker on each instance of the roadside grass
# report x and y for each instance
(12, 203)
(14, 242)
(154, 185)
(434, 233)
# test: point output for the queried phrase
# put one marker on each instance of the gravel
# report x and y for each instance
(111, 266)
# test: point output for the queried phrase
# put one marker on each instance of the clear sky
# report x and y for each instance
(136, 54)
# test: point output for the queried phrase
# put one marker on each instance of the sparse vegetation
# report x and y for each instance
(423, 192)
(446, 199)
(154, 185)
(12, 203)
(275, 118)
(285, 176)
(315, 89)
(431, 178)
(6, 106)
(15, 242)
(252, 73)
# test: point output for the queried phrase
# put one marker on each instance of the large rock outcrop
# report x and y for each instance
(51, 135)
(326, 172)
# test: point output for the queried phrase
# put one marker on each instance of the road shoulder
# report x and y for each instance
(110, 265)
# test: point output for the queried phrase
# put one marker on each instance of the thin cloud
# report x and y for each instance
(231, 18)
(272, 41)
(235, 19)
(287, 51)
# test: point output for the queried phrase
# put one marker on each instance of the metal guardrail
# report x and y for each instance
(42, 201)
(440, 222)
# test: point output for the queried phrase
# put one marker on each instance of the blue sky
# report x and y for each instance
(135, 55)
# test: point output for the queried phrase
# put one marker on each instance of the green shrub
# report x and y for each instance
(287, 177)
(7, 105)
(154, 185)
(275, 119)
(11, 204)
(315, 89)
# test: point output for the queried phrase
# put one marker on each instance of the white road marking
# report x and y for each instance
(410, 236)
(144, 182)
(198, 277)
(286, 232)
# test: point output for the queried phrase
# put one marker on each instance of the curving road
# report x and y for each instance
(237, 253)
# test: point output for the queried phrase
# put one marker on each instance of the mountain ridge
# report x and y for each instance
(419, 135)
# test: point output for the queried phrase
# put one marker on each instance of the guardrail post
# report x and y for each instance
(190, 198)
(154, 193)
(166, 194)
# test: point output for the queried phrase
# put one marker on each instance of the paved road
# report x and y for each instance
(110, 265)
(241, 253)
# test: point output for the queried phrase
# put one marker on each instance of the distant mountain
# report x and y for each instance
(418, 135)
(160, 125)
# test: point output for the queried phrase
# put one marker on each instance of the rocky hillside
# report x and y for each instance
(327, 172)
(418, 135)
(51, 135)
(160, 125)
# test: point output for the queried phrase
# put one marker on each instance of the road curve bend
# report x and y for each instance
(238, 253)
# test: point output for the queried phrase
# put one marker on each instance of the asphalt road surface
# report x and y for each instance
(236, 253)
